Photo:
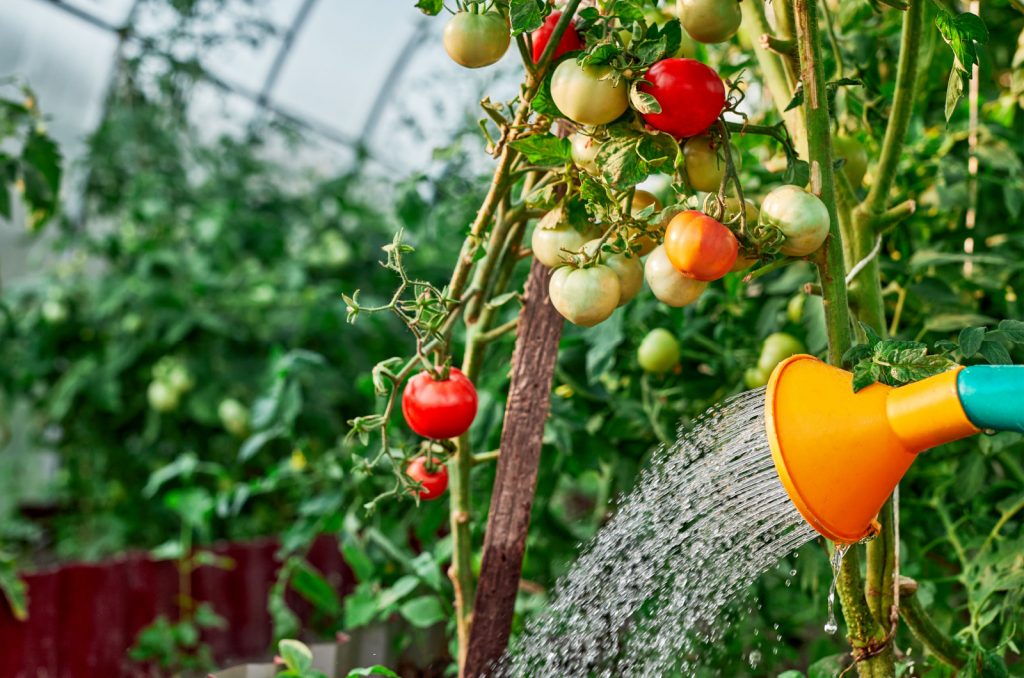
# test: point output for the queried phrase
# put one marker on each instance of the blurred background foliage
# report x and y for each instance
(187, 358)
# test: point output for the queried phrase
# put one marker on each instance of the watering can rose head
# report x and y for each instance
(841, 454)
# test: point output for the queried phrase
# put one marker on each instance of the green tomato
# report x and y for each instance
(776, 348)
(234, 416)
(856, 157)
(658, 352)
(755, 377)
(801, 217)
(584, 153)
(585, 296)
(554, 238)
(585, 94)
(669, 285)
(162, 397)
(476, 40)
(626, 266)
(179, 378)
(795, 308)
(705, 162)
(54, 311)
(710, 21)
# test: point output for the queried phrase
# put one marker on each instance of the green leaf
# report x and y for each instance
(400, 589)
(545, 150)
(377, 670)
(13, 588)
(257, 441)
(430, 7)
(360, 606)
(642, 101)
(542, 103)
(423, 612)
(620, 163)
(995, 353)
(963, 33)
(865, 374)
(297, 656)
(41, 170)
(311, 585)
(1014, 329)
(184, 465)
(526, 15)
(970, 340)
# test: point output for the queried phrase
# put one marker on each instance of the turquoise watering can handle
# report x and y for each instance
(993, 396)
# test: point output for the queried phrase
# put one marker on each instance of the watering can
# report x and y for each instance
(841, 454)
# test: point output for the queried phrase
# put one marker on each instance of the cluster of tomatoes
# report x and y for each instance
(684, 250)
(438, 407)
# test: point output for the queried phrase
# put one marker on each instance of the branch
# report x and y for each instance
(925, 630)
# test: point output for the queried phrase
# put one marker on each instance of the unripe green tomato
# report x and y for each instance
(669, 285)
(658, 352)
(554, 238)
(627, 267)
(856, 157)
(179, 378)
(476, 40)
(585, 296)
(710, 21)
(801, 216)
(795, 308)
(162, 397)
(776, 348)
(704, 161)
(54, 311)
(755, 377)
(585, 94)
(584, 153)
(234, 416)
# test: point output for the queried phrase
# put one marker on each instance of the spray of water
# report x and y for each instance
(647, 597)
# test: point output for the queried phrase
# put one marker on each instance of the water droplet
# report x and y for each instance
(754, 658)
(837, 562)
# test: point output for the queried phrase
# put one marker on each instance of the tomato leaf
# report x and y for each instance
(312, 586)
(545, 150)
(423, 612)
(377, 670)
(430, 7)
(620, 163)
(642, 101)
(963, 33)
(526, 15)
(542, 102)
(296, 656)
(970, 341)
(995, 353)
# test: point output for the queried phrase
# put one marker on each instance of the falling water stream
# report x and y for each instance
(648, 595)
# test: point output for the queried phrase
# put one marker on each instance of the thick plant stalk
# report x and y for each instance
(533, 366)
(925, 630)
(863, 628)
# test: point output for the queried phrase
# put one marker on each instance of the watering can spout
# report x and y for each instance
(840, 454)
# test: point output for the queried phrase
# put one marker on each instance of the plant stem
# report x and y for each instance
(863, 628)
(925, 630)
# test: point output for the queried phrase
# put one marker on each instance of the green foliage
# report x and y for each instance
(30, 161)
(892, 361)
(964, 33)
(175, 645)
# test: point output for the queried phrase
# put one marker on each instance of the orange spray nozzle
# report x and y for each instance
(841, 454)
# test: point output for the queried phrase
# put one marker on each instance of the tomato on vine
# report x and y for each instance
(476, 40)
(700, 247)
(584, 153)
(626, 265)
(800, 216)
(669, 285)
(585, 296)
(744, 259)
(570, 41)
(691, 96)
(588, 94)
(554, 238)
(710, 21)
(704, 162)
(432, 475)
(439, 408)
(658, 352)
(776, 348)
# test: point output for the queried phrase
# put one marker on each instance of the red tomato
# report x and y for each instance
(691, 96)
(700, 247)
(439, 409)
(570, 41)
(434, 484)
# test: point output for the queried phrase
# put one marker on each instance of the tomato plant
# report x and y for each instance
(710, 21)
(439, 407)
(800, 217)
(669, 285)
(659, 351)
(585, 296)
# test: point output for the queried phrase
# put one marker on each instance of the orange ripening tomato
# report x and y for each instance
(700, 247)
